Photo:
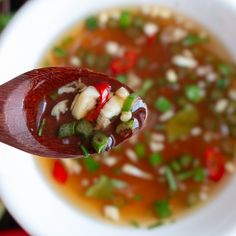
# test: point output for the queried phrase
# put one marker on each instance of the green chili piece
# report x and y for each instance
(41, 126)
(84, 150)
(185, 175)
(67, 130)
(170, 179)
(125, 126)
(91, 23)
(222, 83)
(199, 175)
(122, 78)
(193, 93)
(155, 159)
(194, 39)
(140, 150)
(60, 52)
(100, 142)
(147, 85)
(175, 165)
(125, 19)
(162, 209)
(84, 128)
(162, 104)
(91, 164)
(224, 69)
(185, 160)
(129, 102)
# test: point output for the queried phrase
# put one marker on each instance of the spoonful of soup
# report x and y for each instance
(66, 112)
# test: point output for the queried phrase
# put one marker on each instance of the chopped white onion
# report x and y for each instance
(84, 102)
(221, 105)
(134, 171)
(131, 155)
(183, 61)
(59, 108)
(126, 116)
(111, 212)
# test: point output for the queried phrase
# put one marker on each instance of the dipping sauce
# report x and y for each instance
(187, 147)
(83, 112)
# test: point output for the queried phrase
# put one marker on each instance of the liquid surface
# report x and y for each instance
(187, 147)
(61, 117)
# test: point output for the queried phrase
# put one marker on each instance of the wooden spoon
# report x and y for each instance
(19, 99)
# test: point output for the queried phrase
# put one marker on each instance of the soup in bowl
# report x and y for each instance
(184, 156)
(186, 149)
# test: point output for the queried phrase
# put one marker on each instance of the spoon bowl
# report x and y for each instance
(19, 99)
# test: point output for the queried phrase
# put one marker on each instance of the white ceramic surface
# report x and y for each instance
(22, 187)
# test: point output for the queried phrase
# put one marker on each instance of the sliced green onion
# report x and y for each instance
(125, 126)
(125, 19)
(193, 93)
(224, 69)
(147, 85)
(222, 83)
(84, 128)
(60, 52)
(41, 126)
(84, 150)
(185, 175)
(91, 23)
(155, 159)
(137, 197)
(186, 160)
(67, 130)
(90, 164)
(134, 223)
(162, 104)
(122, 78)
(170, 179)
(194, 39)
(162, 209)
(199, 175)
(101, 189)
(155, 225)
(140, 150)
(175, 165)
(129, 102)
(100, 142)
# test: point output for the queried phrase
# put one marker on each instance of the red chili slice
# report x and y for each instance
(104, 90)
(151, 40)
(214, 161)
(59, 172)
(127, 62)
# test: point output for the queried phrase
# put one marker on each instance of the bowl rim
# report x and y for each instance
(10, 167)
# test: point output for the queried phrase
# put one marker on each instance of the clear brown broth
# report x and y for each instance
(159, 56)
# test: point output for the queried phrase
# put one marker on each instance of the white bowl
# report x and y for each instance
(24, 190)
